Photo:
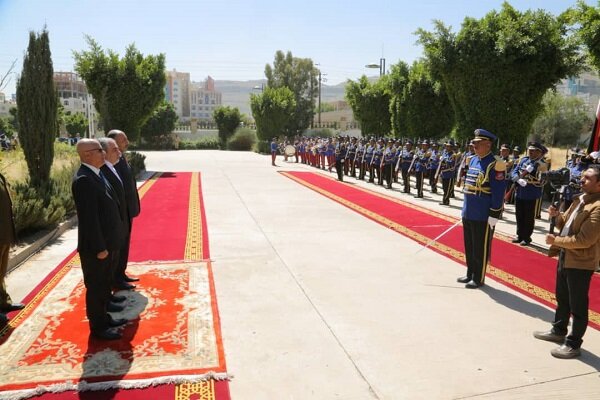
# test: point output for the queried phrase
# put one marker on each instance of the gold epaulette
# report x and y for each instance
(500, 164)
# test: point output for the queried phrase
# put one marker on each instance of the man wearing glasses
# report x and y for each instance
(101, 233)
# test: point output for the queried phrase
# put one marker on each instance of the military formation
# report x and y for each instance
(441, 166)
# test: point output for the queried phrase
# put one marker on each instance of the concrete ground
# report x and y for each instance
(319, 302)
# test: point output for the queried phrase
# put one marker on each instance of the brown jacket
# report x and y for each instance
(582, 244)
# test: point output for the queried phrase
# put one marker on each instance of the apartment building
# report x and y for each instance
(177, 92)
(74, 97)
(204, 99)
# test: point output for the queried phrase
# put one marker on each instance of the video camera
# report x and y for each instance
(558, 178)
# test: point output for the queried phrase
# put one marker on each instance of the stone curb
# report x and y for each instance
(24, 254)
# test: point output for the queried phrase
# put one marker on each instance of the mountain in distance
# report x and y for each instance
(237, 93)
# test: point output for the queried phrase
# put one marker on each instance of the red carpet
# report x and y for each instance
(523, 269)
(172, 346)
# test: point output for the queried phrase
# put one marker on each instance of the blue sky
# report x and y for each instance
(234, 39)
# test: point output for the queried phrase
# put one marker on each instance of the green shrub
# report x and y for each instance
(208, 143)
(45, 207)
(263, 147)
(243, 139)
(137, 161)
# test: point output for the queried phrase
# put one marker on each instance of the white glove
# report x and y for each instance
(492, 221)
(343, 160)
(522, 182)
(415, 157)
(529, 168)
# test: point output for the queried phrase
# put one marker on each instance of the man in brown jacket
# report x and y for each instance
(7, 239)
(578, 250)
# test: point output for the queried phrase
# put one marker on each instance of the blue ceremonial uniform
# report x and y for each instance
(484, 189)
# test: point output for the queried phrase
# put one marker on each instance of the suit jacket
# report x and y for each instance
(7, 225)
(119, 192)
(130, 187)
(100, 221)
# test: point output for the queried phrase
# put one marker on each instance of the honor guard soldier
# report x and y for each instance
(340, 158)
(388, 163)
(432, 166)
(447, 172)
(420, 166)
(528, 189)
(360, 158)
(350, 167)
(274, 149)
(376, 162)
(405, 161)
(483, 200)
(574, 187)
(369, 159)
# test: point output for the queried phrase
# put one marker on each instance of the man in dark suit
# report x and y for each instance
(7, 238)
(100, 235)
(133, 205)
(112, 155)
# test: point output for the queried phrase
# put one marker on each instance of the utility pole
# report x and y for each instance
(319, 99)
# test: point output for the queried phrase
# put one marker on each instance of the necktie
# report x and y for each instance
(109, 188)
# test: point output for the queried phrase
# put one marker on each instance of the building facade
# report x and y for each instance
(204, 99)
(177, 92)
(74, 97)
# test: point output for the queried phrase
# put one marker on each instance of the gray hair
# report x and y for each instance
(113, 133)
(104, 141)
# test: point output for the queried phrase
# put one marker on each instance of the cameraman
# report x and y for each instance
(578, 250)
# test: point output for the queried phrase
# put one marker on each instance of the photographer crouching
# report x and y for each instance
(578, 249)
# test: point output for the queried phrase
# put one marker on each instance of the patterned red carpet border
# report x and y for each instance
(526, 270)
(172, 346)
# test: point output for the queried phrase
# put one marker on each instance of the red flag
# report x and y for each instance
(594, 144)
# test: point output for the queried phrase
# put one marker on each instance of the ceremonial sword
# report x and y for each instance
(432, 241)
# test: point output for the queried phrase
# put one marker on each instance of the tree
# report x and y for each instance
(587, 20)
(75, 123)
(126, 91)
(228, 119)
(271, 110)
(38, 103)
(300, 76)
(397, 81)
(370, 103)
(158, 128)
(497, 69)
(562, 120)
(428, 110)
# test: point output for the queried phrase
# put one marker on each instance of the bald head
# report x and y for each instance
(90, 152)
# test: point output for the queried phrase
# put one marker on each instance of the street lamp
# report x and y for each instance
(381, 66)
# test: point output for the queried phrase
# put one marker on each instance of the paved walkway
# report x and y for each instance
(318, 302)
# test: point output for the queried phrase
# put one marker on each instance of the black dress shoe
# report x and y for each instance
(443, 204)
(516, 240)
(473, 285)
(130, 279)
(463, 279)
(106, 334)
(112, 307)
(117, 322)
(13, 307)
(115, 298)
(3, 320)
(124, 286)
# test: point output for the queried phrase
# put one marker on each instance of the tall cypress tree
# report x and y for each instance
(37, 102)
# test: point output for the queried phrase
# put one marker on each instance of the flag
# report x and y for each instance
(594, 144)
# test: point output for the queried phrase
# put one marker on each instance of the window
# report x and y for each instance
(66, 102)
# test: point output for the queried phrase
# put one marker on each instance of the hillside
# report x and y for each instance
(237, 93)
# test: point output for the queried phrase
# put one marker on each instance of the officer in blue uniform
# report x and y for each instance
(447, 171)
(483, 201)
(432, 166)
(528, 188)
(376, 163)
(574, 188)
(340, 158)
(405, 159)
(387, 162)
(420, 166)
(274, 147)
(369, 160)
